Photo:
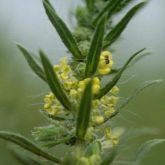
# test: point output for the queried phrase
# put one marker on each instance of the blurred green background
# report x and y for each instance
(21, 92)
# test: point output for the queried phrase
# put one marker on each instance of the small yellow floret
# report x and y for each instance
(95, 89)
(108, 133)
(115, 140)
(105, 63)
(46, 106)
(89, 134)
(115, 90)
(56, 67)
(96, 80)
(98, 120)
(73, 93)
(109, 112)
(64, 76)
(114, 100)
(95, 103)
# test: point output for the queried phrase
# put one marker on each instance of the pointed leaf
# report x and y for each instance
(90, 4)
(51, 144)
(34, 66)
(95, 49)
(23, 158)
(119, 28)
(123, 5)
(84, 111)
(138, 91)
(54, 82)
(145, 148)
(109, 156)
(110, 8)
(63, 31)
(116, 78)
(28, 145)
(130, 98)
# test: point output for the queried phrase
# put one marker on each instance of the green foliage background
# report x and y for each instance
(21, 91)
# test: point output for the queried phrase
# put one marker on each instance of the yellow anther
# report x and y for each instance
(108, 133)
(50, 96)
(115, 140)
(105, 54)
(96, 80)
(95, 103)
(115, 90)
(73, 93)
(56, 67)
(46, 106)
(89, 134)
(107, 114)
(105, 63)
(104, 70)
(113, 100)
(55, 110)
(95, 89)
(68, 84)
(64, 76)
(47, 100)
(81, 84)
(98, 120)
(87, 80)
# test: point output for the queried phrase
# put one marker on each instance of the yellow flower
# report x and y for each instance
(98, 120)
(89, 134)
(95, 87)
(55, 110)
(105, 63)
(64, 76)
(73, 93)
(113, 100)
(109, 112)
(56, 67)
(47, 106)
(108, 133)
(115, 140)
(115, 90)
(95, 103)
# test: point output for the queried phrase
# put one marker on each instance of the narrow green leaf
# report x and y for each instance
(130, 98)
(116, 78)
(54, 82)
(119, 28)
(108, 157)
(138, 91)
(90, 4)
(34, 66)
(23, 158)
(136, 133)
(28, 145)
(63, 31)
(84, 111)
(95, 49)
(51, 144)
(123, 5)
(110, 8)
(145, 148)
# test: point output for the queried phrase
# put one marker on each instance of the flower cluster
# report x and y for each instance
(101, 108)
